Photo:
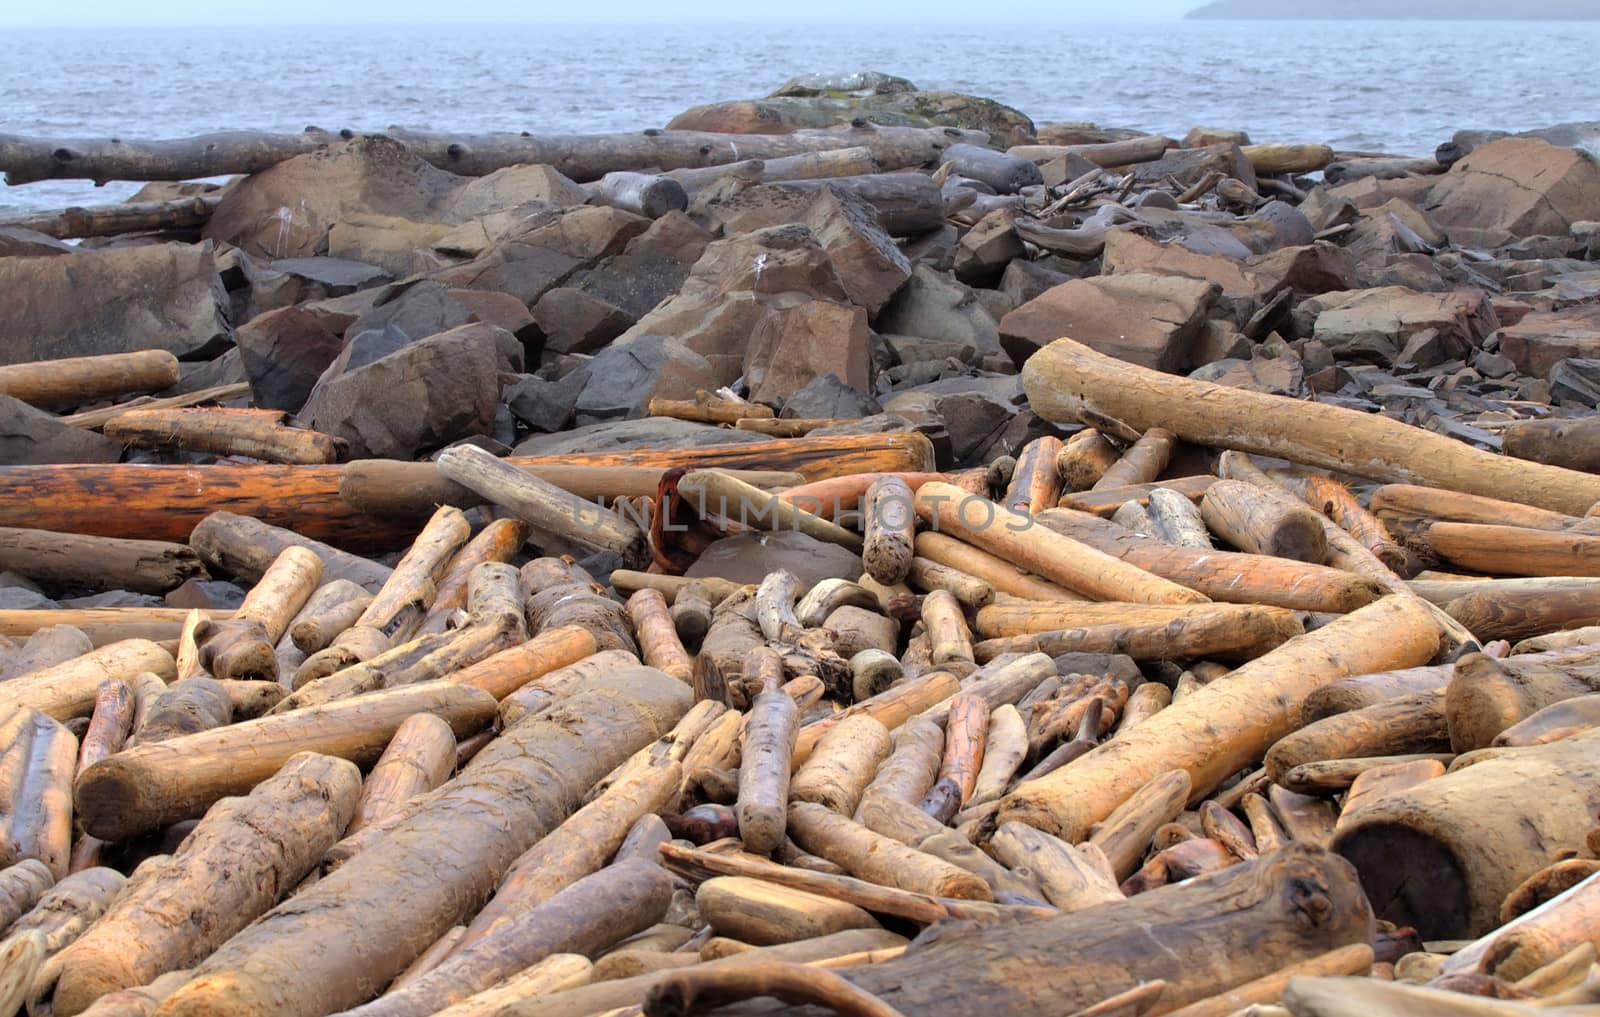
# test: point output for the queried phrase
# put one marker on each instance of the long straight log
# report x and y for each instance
(1400, 503)
(1067, 381)
(1056, 557)
(842, 162)
(1001, 574)
(114, 220)
(1241, 718)
(102, 625)
(226, 431)
(1512, 550)
(420, 757)
(98, 563)
(38, 758)
(150, 786)
(1223, 576)
(71, 381)
(583, 157)
(448, 855)
(168, 502)
(68, 690)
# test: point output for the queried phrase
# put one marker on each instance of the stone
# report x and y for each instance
(1148, 320)
(573, 321)
(624, 378)
(1314, 268)
(1201, 137)
(1023, 280)
(287, 210)
(546, 405)
(916, 349)
(857, 83)
(1242, 290)
(988, 248)
(423, 396)
(205, 595)
(828, 397)
(1541, 339)
(1576, 381)
(113, 300)
(17, 242)
(785, 114)
(1219, 340)
(936, 306)
(513, 187)
(1516, 187)
(501, 310)
(284, 352)
(32, 437)
(643, 432)
(1190, 165)
(396, 245)
(751, 557)
(877, 423)
(870, 266)
(1428, 348)
(1375, 325)
(542, 252)
(790, 347)
(17, 598)
(1494, 365)
(114, 598)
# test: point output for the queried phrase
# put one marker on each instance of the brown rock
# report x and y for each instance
(577, 322)
(1537, 342)
(1318, 268)
(398, 245)
(287, 211)
(1149, 320)
(32, 437)
(1516, 187)
(935, 306)
(421, 397)
(988, 248)
(510, 188)
(529, 261)
(790, 348)
(1379, 322)
(785, 114)
(113, 300)
(1190, 165)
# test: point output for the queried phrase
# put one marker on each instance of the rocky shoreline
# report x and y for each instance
(813, 551)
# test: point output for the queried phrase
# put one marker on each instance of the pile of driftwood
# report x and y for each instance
(1082, 736)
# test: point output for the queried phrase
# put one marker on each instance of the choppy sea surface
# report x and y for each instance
(1399, 87)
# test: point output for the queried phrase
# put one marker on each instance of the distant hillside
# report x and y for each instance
(1412, 10)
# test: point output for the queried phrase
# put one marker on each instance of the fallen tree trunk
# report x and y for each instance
(1570, 442)
(72, 381)
(1241, 718)
(102, 625)
(114, 220)
(1067, 381)
(225, 431)
(841, 162)
(420, 757)
(583, 157)
(68, 690)
(37, 765)
(98, 563)
(1443, 855)
(169, 502)
(448, 854)
(176, 910)
(1487, 696)
(1511, 550)
(150, 786)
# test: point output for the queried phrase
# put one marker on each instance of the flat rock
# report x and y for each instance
(856, 83)
(32, 437)
(1576, 380)
(422, 396)
(988, 248)
(935, 306)
(544, 404)
(541, 253)
(624, 378)
(791, 347)
(512, 187)
(17, 242)
(573, 321)
(785, 114)
(643, 432)
(284, 352)
(1537, 342)
(828, 397)
(1148, 320)
(113, 300)
(206, 595)
(751, 557)
(1516, 187)
(1375, 325)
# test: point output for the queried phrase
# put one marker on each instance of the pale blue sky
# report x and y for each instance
(82, 13)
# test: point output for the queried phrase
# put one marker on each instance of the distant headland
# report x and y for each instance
(1415, 10)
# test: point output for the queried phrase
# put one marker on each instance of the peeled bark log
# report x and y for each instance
(911, 769)
(1355, 959)
(555, 974)
(99, 563)
(876, 858)
(109, 726)
(948, 635)
(1500, 613)
(1036, 484)
(890, 522)
(766, 757)
(1511, 550)
(1041, 551)
(890, 708)
(1570, 442)
(186, 708)
(420, 757)
(21, 886)
(1231, 631)
(38, 759)
(1067, 380)
(715, 493)
(1257, 523)
(150, 786)
(1144, 461)
(224, 431)
(761, 913)
(1072, 878)
(72, 381)
(1363, 690)
(1000, 574)
(1486, 696)
(587, 917)
(658, 640)
(68, 690)
(543, 691)
(1177, 520)
(1335, 501)
(837, 773)
(449, 854)
(334, 607)
(1554, 722)
(1125, 835)
(1221, 575)
(1402, 504)
(1444, 854)
(1241, 718)
(1084, 460)
(1108, 501)
(1406, 725)
(243, 647)
(178, 909)
(246, 547)
(497, 542)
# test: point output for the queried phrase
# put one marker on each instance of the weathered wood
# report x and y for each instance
(1067, 381)
(1511, 550)
(1108, 154)
(1486, 696)
(449, 854)
(21, 886)
(1224, 576)
(842, 162)
(555, 974)
(38, 759)
(1401, 504)
(1177, 520)
(770, 735)
(256, 434)
(1255, 522)
(889, 525)
(113, 220)
(1570, 442)
(1476, 832)
(68, 689)
(715, 493)
(99, 563)
(1401, 726)
(836, 774)
(168, 502)
(1242, 717)
(95, 419)
(1036, 484)
(1107, 501)
(71, 381)
(1125, 835)
(150, 786)
(420, 757)
(1142, 463)
(243, 647)
(1144, 632)
(1084, 459)
(307, 803)
(651, 195)
(1002, 575)
(874, 857)
(245, 547)
(187, 707)
(1335, 501)
(1041, 551)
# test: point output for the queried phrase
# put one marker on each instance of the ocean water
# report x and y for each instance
(1400, 87)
